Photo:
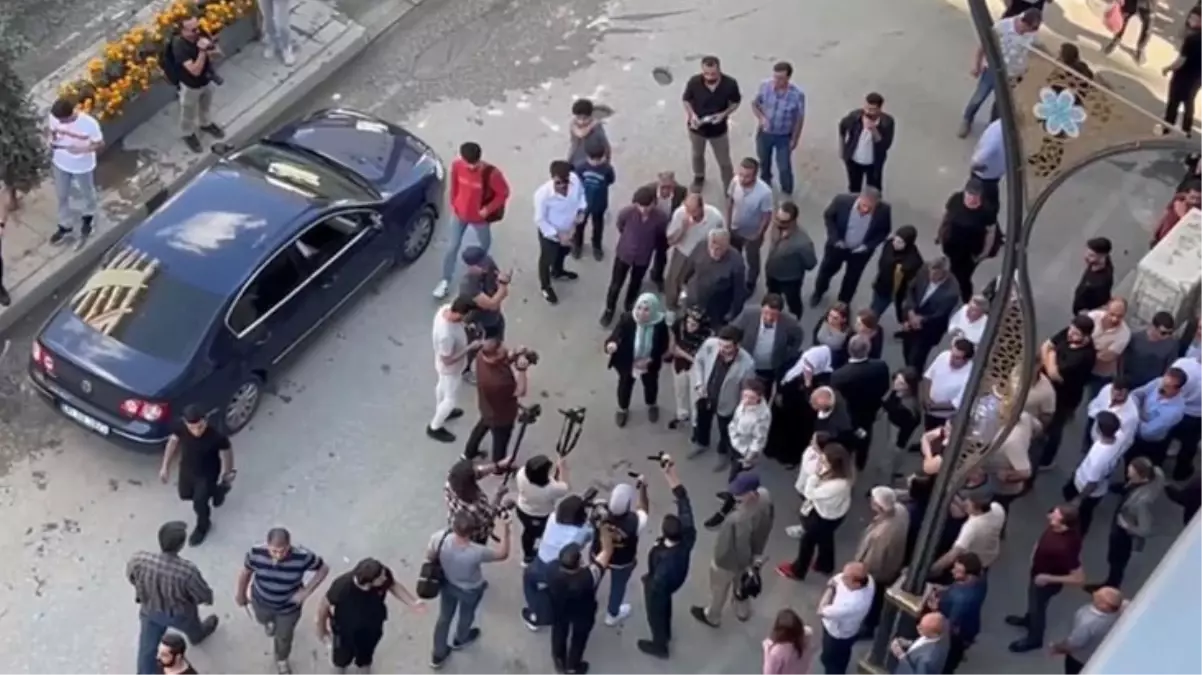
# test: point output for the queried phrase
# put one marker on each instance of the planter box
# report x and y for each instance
(142, 109)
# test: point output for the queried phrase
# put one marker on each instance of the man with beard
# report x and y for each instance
(882, 550)
(559, 208)
(928, 306)
(715, 278)
(1068, 359)
(773, 339)
(171, 655)
(748, 213)
(669, 195)
(642, 235)
(487, 287)
(667, 565)
(856, 225)
(572, 592)
(832, 416)
(688, 230)
(968, 233)
(353, 613)
(790, 255)
(206, 467)
(865, 136)
(1097, 280)
(719, 369)
(1186, 74)
(710, 98)
(863, 383)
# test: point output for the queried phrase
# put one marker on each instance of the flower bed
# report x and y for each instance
(124, 85)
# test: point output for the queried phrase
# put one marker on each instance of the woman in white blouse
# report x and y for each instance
(749, 427)
(827, 497)
(793, 418)
(811, 464)
(969, 321)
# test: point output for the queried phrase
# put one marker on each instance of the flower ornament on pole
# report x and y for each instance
(1059, 112)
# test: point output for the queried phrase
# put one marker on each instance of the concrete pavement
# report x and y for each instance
(337, 454)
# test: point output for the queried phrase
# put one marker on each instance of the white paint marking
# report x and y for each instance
(546, 86)
(336, 97)
(598, 22)
(494, 112)
(422, 124)
(661, 103)
(549, 124)
(628, 67)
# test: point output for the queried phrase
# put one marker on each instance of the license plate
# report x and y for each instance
(85, 420)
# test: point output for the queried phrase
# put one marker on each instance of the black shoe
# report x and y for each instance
(550, 296)
(198, 536)
(650, 648)
(598, 253)
(455, 414)
(437, 663)
(5, 298)
(698, 183)
(61, 234)
(1023, 645)
(714, 521)
(566, 275)
(207, 628)
(815, 300)
(577, 251)
(606, 317)
(472, 636)
(559, 666)
(1139, 57)
(219, 497)
(1110, 46)
(621, 417)
(653, 414)
(699, 614)
(675, 424)
(580, 669)
(193, 143)
(85, 230)
(1017, 620)
(441, 435)
(531, 621)
(213, 130)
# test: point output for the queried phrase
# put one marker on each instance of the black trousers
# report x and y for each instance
(1120, 547)
(1144, 12)
(626, 378)
(956, 646)
(1182, 91)
(1072, 666)
(917, 346)
(358, 646)
(853, 265)
(569, 637)
(790, 291)
(622, 271)
(1085, 509)
(873, 618)
(857, 174)
(500, 440)
(1054, 432)
(1187, 433)
(768, 379)
(551, 255)
(597, 218)
(532, 530)
(819, 538)
(962, 266)
(204, 492)
(703, 423)
(659, 615)
(1155, 451)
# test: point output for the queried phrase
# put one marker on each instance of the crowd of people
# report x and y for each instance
(760, 393)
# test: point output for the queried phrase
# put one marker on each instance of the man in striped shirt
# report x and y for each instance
(272, 581)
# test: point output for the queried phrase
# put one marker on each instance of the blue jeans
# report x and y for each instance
(84, 184)
(450, 599)
(277, 21)
(458, 228)
(765, 145)
(836, 653)
(534, 587)
(154, 625)
(985, 85)
(619, 577)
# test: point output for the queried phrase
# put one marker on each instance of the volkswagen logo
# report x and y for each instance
(86, 386)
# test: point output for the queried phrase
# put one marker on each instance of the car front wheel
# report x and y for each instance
(242, 405)
(417, 236)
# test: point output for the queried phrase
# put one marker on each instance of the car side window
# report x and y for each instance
(324, 240)
(269, 288)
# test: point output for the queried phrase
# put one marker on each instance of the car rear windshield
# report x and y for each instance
(148, 310)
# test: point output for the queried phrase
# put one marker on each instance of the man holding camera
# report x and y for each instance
(626, 516)
(193, 52)
(500, 381)
(572, 591)
(461, 561)
(667, 564)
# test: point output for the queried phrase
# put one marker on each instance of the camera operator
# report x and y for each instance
(464, 495)
(626, 515)
(500, 382)
(667, 564)
(487, 287)
(541, 484)
(572, 592)
(192, 52)
(568, 525)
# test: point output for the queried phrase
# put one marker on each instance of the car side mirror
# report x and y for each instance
(377, 221)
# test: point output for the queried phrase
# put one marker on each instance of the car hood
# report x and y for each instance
(67, 337)
(385, 155)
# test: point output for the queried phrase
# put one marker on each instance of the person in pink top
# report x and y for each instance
(787, 650)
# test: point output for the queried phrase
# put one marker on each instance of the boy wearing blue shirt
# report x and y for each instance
(597, 175)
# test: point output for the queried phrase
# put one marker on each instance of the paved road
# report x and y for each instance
(337, 453)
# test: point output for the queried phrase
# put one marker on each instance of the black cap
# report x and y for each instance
(193, 414)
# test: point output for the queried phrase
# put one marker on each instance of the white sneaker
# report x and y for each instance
(268, 50)
(440, 291)
(795, 531)
(289, 56)
(623, 614)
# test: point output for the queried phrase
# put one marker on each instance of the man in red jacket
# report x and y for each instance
(478, 195)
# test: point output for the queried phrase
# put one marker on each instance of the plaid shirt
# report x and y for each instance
(782, 108)
(164, 582)
(481, 511)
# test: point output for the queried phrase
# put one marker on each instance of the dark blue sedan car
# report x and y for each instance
(202, 302)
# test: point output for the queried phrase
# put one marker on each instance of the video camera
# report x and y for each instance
(598, 509)
(662, 458)
(515, 354)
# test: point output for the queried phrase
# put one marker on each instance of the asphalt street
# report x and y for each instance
(337, 453)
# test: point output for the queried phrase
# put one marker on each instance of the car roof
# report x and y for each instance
(216, 230)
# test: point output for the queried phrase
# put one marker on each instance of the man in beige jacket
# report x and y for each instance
(882, 549)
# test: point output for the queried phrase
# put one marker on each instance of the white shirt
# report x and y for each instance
(555, 214)
(76, 134)
(449, 338)
(830, 498)
(764, 342)
(989, 156)
(1016, 47)
(712, 220)
(947, 383)
(811, 459)
(816, 360)
(843, 616)
(982, 534)
(1097, 466)
(862, 155)
(1193, 385)
(539, 500)
(960, 326)
(1127, 412)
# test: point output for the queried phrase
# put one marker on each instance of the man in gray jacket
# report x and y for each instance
(1133, 520)
(738, 549)
(715, 279)
(790, 255)
(773, 339)
(720, 368)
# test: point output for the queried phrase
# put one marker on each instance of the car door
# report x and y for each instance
(273, 312)
(348, 250)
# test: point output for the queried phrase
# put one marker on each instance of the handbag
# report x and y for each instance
(430, 577)
(750, 584)
(1112, 18)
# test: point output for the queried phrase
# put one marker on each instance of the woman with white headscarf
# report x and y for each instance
(792, 416)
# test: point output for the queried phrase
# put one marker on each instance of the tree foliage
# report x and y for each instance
(24, 159)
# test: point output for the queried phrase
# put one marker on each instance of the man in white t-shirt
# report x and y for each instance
(1091, 480)
(451, 349)
(1110, 337)
(981, 534)
(844, 604)
(75, 138)
(1015, 37)
(943, 384)
(969, 321)
(690, 226)
(1116, 398)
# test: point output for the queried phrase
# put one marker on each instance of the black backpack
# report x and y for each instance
(172, 69)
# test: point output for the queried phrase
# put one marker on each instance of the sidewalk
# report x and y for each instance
(150, 164)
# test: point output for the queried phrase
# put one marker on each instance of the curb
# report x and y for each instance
(49, 282)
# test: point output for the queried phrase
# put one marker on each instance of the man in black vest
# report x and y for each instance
(628, 507)
(863, 383)
(667, 565)
(572, 590)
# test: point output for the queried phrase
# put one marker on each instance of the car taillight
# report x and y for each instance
(42, 358)
(149, 411)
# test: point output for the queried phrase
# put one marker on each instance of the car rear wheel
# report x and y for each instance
(242, 405)
(418, 236)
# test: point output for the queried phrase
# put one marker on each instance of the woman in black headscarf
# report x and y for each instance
(792, 415)
(897, 265)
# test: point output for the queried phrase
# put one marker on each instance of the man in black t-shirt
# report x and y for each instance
(710, 98)
(171, 655)
(1186, 75)
(192, 52)
(353, 613)
(967, 233)
(206, 467)
(1068, 358)
(572, 591)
